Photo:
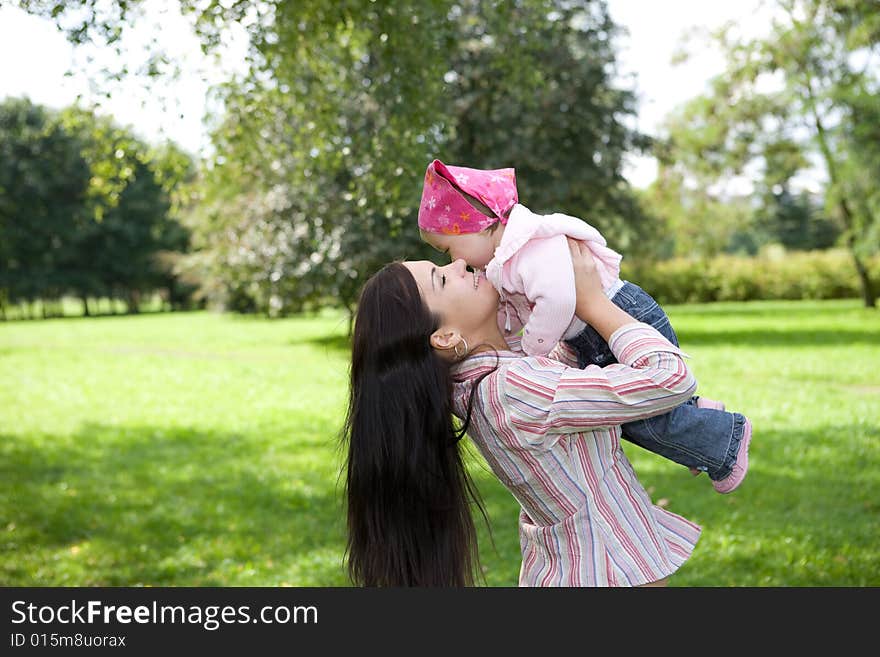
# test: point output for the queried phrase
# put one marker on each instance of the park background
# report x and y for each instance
(174, 343)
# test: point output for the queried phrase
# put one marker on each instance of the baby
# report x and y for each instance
(475, 215)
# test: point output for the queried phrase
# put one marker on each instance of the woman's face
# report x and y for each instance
(476, 249)
(450, 292)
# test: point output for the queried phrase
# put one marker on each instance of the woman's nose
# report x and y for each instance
(459, 266)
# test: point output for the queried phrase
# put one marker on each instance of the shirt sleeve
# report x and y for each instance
(547, 275)
(565, 354)
(546, 397)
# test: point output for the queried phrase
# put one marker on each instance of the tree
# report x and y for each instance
(806, 94)
(553, 111)
(85, 207)
(795, 220)
(44, 183)
(323, 144)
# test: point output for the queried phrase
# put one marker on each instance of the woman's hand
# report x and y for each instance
(588, 286)
(592, 305)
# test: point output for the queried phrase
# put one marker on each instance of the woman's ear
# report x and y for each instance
(445, 339)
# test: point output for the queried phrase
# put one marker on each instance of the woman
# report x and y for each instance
(426, 346)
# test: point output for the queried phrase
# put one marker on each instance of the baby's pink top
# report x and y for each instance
(533, 273)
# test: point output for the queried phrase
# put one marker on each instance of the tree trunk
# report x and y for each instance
(86, 306)
(869, 295)
(132, 301)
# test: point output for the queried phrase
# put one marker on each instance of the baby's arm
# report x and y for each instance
(545, 269)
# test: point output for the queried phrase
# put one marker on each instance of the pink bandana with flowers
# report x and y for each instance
(444, 210)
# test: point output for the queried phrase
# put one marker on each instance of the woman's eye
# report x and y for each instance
(443, 280)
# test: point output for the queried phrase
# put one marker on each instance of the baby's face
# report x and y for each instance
(476, 249)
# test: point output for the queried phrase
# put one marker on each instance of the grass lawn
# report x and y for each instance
(196, 449)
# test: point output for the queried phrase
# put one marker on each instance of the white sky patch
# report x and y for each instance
(656, 33)
(40, 64)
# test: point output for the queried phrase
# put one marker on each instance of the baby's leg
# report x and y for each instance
(701, 438)
(704, 439)
(592, 349)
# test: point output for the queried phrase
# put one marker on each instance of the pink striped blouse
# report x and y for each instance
(551, 433)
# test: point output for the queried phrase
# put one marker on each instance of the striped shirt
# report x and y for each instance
(551, 433)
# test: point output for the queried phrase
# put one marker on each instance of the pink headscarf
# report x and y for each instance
(444, 210)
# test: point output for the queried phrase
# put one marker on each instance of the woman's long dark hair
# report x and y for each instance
(408, 492)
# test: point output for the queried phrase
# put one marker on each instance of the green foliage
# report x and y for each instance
(328, 139)
(44, 183)
(110, 153)
(322, 145)
(320, 154)
(693, 222)
(196, 449)
(773, 274)
(85, 207)
(530, 86)
(857, 183)
(807, 93)
(796, 221)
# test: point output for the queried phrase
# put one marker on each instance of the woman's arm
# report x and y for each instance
(650, 378)
(545, 396)
(591, 303)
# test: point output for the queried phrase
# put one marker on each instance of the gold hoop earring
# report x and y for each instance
(457, 345)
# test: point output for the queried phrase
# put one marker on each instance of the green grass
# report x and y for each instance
(197, 449)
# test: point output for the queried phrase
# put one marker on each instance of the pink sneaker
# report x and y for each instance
(738, 473)
(703, 402)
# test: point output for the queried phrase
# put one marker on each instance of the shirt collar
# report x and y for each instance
(485, 361)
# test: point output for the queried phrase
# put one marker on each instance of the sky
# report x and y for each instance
(36, 58)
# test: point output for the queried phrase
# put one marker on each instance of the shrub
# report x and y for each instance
(773, 274)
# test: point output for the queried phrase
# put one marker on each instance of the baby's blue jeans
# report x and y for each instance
(701, 438)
